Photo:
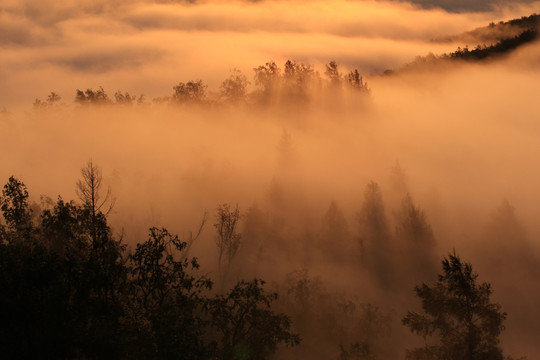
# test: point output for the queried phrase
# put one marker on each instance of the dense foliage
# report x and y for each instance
(70, 289)
(458, 310)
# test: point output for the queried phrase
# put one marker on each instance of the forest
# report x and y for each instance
(248, 180)
(73, 289)
(273, 282)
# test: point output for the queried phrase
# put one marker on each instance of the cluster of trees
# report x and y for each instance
(393, 253)
(395, 250)
(89, 97)
(71, 289)
(99, 96)
(296, 83)
(53, 99)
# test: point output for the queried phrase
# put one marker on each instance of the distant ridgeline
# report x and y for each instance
(502, 47)
(502, 38)
(526, 22)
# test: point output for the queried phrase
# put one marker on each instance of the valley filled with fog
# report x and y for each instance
(353, 174)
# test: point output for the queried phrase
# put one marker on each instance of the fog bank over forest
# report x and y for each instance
(307, 154)
(146, 46)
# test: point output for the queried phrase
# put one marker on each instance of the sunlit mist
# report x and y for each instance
(308, 117)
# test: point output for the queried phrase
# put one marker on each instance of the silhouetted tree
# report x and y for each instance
(35, 308)
(297, 78)
(246, 326)
(333, 74)
(96, 275)
(165, 301)
(63, 297)
(94, 97)
(356, 82)
(63, 230)
(267, 80)
(60, 298)
(89, 190)
(189, 93)
(14, 206)
(266, 75)
(458, 311)
(52, 100)
(416, 241)
(375, 238)
(228, 239)
(234, 88)
(127, 99)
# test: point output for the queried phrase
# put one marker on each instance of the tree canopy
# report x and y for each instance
(71, 289)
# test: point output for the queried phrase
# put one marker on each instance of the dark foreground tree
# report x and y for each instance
(163, 314)
(458, 311)
(246, 327)
(14, 206)
(62, 297)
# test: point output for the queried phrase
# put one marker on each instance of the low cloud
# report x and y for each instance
(106, 61)
(163, 43)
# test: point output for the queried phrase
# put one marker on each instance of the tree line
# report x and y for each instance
(295, 83)
(72, 289)
(481, 52)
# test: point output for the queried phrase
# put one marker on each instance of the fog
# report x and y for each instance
(146, 47)
(460, 139)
